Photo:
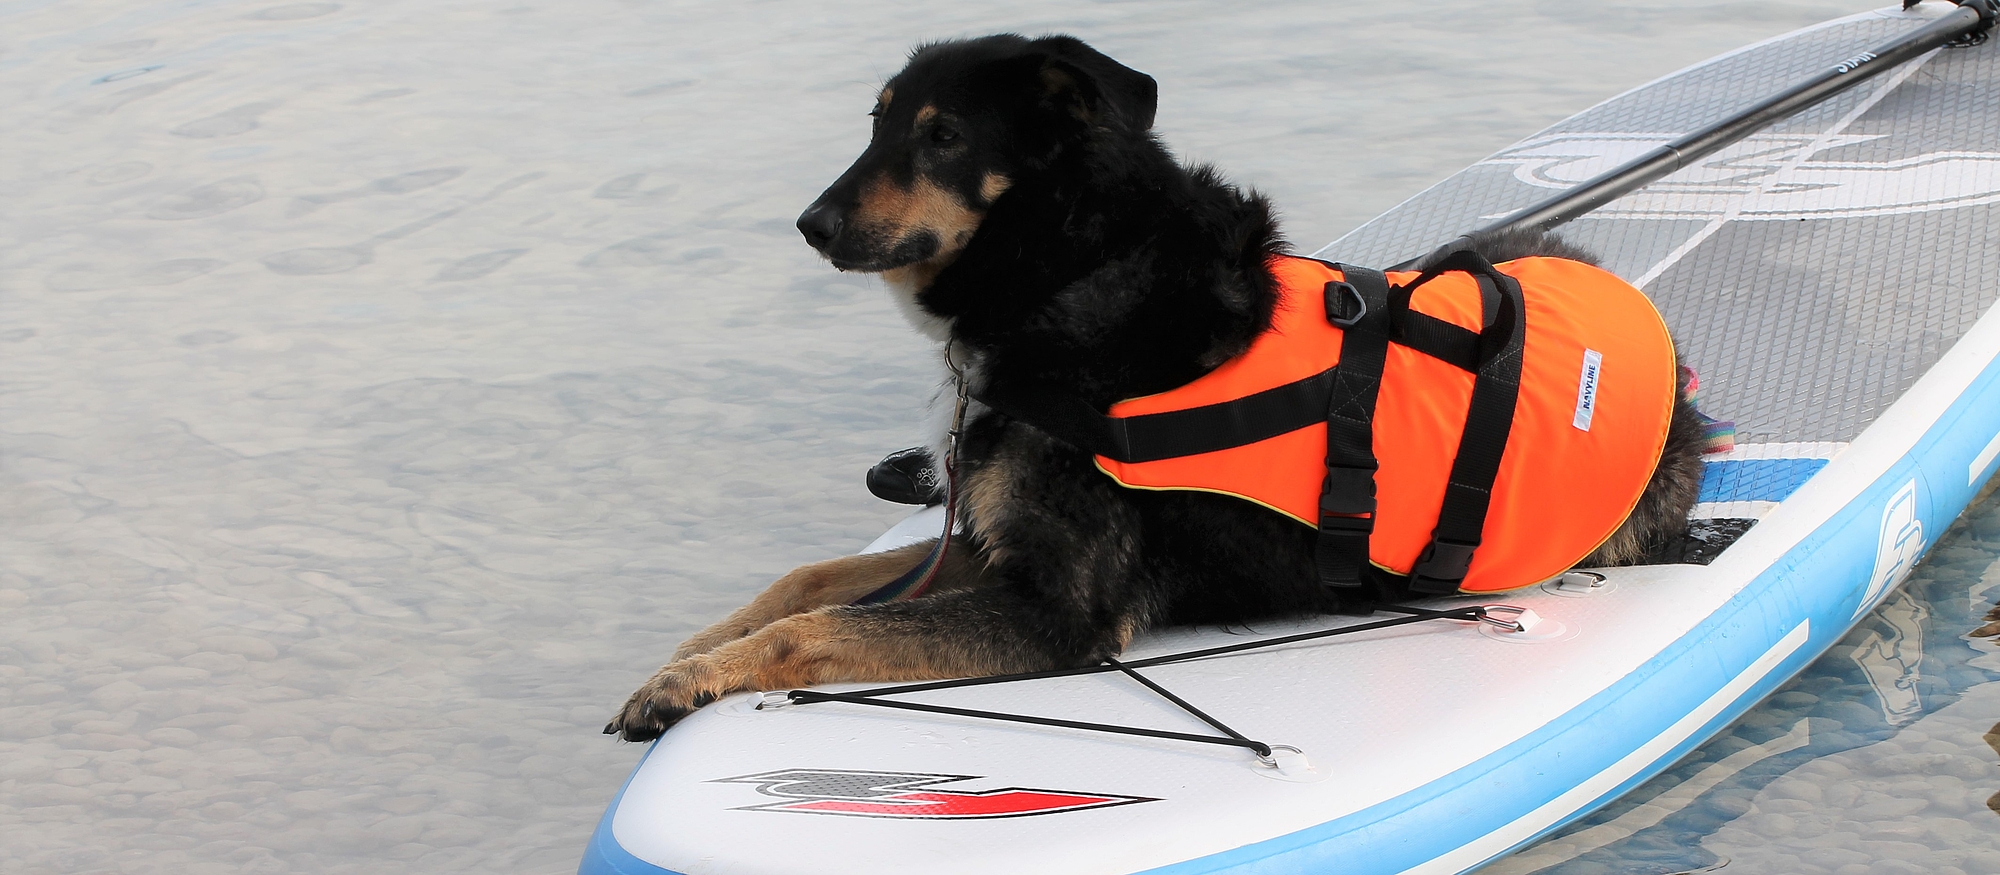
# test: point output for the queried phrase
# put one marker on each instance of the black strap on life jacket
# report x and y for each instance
(1360, 306)
(1371, 314)
(1205, 429)
(1489, 419)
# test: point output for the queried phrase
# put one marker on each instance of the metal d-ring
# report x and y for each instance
(1338, 294)
(1596, 579)
(1514, 625)
(1271, 759)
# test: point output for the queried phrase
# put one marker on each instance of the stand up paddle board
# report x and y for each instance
(1830, 272)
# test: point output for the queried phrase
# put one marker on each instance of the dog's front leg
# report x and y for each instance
(966, 632)
(832, 582)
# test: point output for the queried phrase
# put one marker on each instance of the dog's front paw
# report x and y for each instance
(674, 692)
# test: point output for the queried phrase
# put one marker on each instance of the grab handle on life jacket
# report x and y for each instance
(1473, 263)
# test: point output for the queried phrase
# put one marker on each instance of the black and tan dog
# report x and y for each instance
(1015, 200)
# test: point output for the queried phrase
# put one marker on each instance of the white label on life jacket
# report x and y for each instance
(1586, 389)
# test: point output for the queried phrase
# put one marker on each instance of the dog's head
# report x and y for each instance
(961, 124)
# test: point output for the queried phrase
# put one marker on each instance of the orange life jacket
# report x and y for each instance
(1597, 379)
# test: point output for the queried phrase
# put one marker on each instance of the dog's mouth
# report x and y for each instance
(913, 249)
(844, 264)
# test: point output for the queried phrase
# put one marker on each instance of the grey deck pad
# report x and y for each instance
(1811, 272)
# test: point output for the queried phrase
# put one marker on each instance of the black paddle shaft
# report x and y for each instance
(1971, 18)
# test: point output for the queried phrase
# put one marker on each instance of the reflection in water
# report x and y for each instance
(1880, 757)
(1993, 741)
(1891, 661)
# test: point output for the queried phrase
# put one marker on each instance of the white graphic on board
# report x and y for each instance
(1740, 177)
(1902, 542)
(1982, 461)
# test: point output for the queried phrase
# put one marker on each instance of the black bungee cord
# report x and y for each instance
(1230, 737)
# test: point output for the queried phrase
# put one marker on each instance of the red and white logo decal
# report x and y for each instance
(898, 794)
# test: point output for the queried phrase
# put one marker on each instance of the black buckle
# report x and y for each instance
(1443, 562)
(1342, 550)
(1347, 491)
(1344, 304)
(1346, 525)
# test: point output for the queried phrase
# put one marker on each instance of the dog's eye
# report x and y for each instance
(942, 134)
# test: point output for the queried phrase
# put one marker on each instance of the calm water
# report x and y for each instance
(386, 387)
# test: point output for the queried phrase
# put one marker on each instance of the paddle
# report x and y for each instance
(1969, 23)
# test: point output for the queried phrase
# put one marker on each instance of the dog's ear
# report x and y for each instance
(1097, 90)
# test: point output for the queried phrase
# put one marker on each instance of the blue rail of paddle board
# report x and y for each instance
(604, 856)
(1817, 586)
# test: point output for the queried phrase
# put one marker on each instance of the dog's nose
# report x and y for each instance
(820, 223)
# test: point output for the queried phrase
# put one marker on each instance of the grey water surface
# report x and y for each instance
(385, 388)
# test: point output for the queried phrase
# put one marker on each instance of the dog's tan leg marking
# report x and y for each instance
(829, 645)
(808, 587)
(1128, 628)
(989, 496)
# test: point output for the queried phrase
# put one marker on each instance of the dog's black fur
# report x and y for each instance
(1014, 192)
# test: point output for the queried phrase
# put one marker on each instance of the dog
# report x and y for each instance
(1015, 200)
